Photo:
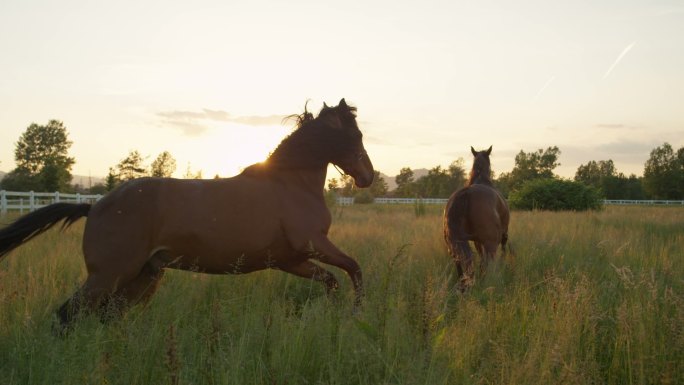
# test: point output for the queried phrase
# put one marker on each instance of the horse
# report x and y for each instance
(478, 213)
(272, 215)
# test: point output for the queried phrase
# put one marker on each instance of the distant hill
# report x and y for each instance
(392, 184)
(86, 181)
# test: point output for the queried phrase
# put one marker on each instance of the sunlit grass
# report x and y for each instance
(589, 298)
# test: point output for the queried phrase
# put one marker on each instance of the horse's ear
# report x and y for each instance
(473, 151)
(343, 103)
(489, 151)
(325, 105)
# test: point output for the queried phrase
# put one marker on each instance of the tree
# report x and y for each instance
(41, 155)
(603, 176)
(20, 179)
(600, 175)
(404, 183)
(112, 180)
(191, 175)
(98, 188)
(528, 166)
(164, 166)
(379, 187)
(440, 182)
(594, 173)
(131, 167)
(664, 173)
(342, 187)
(457, 175)
(623, 187)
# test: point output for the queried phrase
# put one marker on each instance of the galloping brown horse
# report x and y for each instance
(477, 213)
(272, 215)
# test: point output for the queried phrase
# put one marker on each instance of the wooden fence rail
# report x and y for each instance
(348, 201)
(29, 201)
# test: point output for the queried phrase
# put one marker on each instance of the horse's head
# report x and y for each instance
(482, 169)
(348, 151)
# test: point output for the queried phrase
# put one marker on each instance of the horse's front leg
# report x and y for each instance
(326, 252)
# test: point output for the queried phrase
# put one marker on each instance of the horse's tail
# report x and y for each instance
(506, 243)
(455, 234)
(37, 222)
(457, 213)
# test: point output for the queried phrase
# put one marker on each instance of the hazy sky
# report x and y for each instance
(210, 80)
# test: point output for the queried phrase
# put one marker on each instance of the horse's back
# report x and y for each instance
(218, 220)
(477, 212)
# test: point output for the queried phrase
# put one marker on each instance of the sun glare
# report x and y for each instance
(230, 148)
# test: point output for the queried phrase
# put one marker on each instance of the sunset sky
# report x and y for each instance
(209, 81)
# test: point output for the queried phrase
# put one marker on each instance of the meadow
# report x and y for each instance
(590, 297)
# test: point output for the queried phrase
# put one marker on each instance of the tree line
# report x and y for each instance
(663, 177)
(43, 164)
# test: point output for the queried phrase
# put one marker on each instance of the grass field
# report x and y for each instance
(592, 297)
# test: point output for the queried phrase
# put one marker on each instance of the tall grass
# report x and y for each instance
(588, 298)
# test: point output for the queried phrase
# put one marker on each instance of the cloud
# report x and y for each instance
(269, 120)
(609, 125)
(189, 128)
(617, 126)
(194, 123)
(375, 140)
(627, 147)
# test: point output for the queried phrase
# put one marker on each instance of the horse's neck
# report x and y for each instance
(479, 179)
(311, 180)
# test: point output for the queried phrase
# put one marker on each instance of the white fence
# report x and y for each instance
(29, 201)
(642, 202)
(348, 201)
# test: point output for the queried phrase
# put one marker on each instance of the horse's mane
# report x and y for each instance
(312, 143)
(481, 173)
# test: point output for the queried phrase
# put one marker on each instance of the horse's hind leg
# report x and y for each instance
(488, 255)
(142, 287)
(310, 270)
(479, 246)
(93, 295)
(504, 243)
(464, 264)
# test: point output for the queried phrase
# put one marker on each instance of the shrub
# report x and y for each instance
(419, 207)
(364, 196)
(330, 197)
(555, 195)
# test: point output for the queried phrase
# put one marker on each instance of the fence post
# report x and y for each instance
(78, 197)
(56, 200)
(3, 202)
(32, 201)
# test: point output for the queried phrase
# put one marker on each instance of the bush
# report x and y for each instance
(364, 196)
(330, 197)
(555, 195)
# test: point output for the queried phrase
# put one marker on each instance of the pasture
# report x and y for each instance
(593, 297)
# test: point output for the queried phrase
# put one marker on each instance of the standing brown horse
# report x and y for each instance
(477, 213)
(272, 215)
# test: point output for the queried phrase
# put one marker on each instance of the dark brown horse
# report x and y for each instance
(272, 215)
(477, 213)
